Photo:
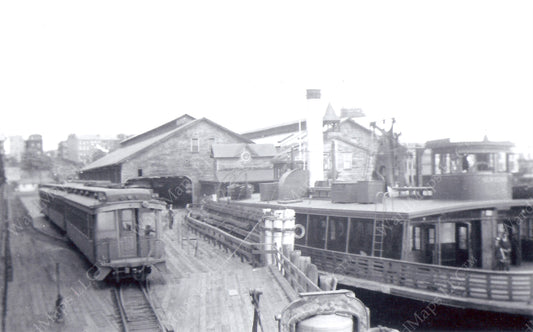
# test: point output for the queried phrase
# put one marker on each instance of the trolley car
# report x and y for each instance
(116, 229)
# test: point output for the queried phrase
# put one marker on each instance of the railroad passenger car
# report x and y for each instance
(116, 229)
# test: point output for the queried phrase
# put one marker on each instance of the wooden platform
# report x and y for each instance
(208, 291)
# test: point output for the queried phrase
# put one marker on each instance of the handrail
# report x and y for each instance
(458, 281)
(250, 250)
(292, 273)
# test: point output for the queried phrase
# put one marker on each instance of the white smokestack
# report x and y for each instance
(315, 140)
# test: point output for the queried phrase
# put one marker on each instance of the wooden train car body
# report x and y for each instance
(117, 230)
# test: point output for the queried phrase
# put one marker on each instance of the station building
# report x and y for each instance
(183, 160)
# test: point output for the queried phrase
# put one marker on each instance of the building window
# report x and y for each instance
(140, 172)
(195, 145)
(211, 141)
(347, 160)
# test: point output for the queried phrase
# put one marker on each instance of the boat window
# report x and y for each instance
(431, 235)
(447, 243)
(463, 239)
(360, 240)
(442, 163)
(126, 220)
(317, 231)
(392, 242)
(147, 223)
(337, 233)
(417, 241)
(501, 228)
(447, 233)
(529, 222)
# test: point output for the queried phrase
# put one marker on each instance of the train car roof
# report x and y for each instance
(399, 208)
(91, 195)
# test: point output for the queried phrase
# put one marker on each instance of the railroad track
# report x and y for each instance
(135, 308)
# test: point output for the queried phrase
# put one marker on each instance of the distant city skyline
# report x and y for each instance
(442, 69)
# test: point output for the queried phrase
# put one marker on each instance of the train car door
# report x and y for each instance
(127, 233)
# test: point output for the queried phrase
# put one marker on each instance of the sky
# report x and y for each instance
(443, 69)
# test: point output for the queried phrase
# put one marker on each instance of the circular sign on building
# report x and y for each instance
(246, 157)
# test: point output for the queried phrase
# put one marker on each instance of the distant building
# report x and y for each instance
(349, 147)
(16, 147)
(178, 156)
(2, 149)
(34, 144)
(242, 163)
(87, 148)
(62, 150)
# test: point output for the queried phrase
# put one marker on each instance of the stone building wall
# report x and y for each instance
(173, 156)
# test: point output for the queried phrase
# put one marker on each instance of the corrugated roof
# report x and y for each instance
(235, 150)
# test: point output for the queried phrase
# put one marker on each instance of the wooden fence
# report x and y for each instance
(454, 281)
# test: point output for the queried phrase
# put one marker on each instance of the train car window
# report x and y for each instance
(147, 222)
(78, 219)
(126, 220)
(106, 221)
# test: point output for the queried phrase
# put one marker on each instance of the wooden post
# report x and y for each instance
(59, 315)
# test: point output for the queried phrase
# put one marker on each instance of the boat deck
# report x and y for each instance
(203, 290)
(401, 207)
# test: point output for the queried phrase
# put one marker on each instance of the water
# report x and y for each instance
(409, 315)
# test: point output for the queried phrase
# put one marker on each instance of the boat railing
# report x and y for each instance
(516, 286)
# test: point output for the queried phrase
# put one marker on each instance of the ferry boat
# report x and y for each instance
(439, 243)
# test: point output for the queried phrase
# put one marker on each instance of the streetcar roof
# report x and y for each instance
(92, 196)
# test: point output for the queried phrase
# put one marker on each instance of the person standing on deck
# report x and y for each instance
(503, 252)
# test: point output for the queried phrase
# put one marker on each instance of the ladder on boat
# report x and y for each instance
(379, 231)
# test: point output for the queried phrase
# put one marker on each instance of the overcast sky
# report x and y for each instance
(457, 69)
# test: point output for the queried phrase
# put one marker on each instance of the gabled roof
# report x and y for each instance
(166, 127)
(126, 152)
(235, 150)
